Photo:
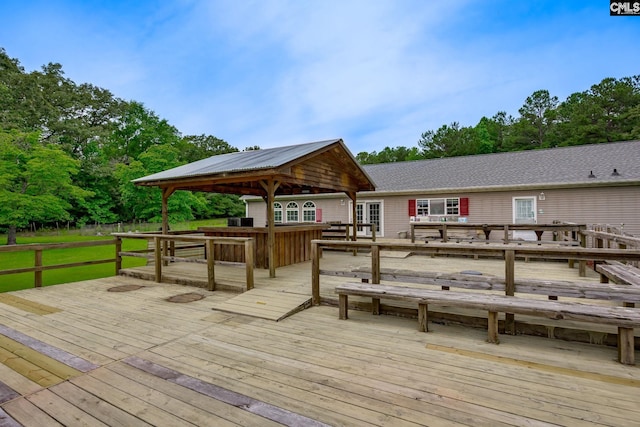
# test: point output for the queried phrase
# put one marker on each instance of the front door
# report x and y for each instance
(524, 212)
(369, 213)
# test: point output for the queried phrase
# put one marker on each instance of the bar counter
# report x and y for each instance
(292, 243)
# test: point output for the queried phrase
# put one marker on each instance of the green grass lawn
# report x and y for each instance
(64, 256)
(14, 260)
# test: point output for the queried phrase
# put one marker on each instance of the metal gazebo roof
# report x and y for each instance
(315, 167)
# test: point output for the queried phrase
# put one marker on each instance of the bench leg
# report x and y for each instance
(422, 318)
(626, 348)
(343, 304)
(509, 324)
(492, 330)
(375, 306)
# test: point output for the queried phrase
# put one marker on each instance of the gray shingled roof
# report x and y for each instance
(540, 168)
(241, 161)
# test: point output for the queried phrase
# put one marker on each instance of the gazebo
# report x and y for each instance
(310, 168)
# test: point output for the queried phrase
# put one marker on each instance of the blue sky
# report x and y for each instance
(276, 72)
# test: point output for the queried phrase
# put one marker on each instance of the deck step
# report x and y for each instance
(265, 304)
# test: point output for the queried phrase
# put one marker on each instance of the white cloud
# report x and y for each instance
(378, 73)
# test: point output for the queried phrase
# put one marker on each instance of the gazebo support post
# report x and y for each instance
(271, 186)
(354, 210)
(166, 193)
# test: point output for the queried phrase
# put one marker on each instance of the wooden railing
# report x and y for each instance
(570, 232)
(507, 252)
(613, 238)
(344, 231)
(38, 249)
(164, 252)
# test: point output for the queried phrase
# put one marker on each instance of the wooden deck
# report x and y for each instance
(80, 354)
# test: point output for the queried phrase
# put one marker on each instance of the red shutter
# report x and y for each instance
(412, 207)
(464, 206)
(318, 215)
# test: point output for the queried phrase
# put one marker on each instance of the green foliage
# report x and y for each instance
(608, 111)
(36, 181)
(138, 130)
(109, 140)
(144, 203)
(388, 154)
(197, 147)
(537, 117)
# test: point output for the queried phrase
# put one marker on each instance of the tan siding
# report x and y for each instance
(609, 205)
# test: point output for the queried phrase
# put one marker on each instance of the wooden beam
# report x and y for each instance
(271, 186)
(353, 197)
(166, 193)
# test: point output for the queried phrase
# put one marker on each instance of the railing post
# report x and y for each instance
(373, 232)
(413, 232)
(211, 277)
(248, 258)
(118, 256)
(158, 258)
(510, 288)
(315, 273)
(38, 273)
(165, 251)
(375, 264)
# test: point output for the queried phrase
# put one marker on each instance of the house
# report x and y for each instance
(592, 184)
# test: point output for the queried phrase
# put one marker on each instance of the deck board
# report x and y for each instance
(368, 371)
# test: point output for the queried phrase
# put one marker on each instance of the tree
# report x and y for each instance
(137, 130)
(197, 147)
(537, 117)
(145, 203)
(35, 182)
(449, 141)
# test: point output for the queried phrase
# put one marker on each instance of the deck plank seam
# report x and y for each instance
(230, 397)
(55, 353)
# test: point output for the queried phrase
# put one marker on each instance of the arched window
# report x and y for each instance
(277, 212)
(292, 212)
(309, 212)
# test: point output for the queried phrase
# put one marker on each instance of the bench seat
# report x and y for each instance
(551, 288)
(618, 272)
(625, 319)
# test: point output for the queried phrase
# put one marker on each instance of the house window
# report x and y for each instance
(309, 212)
(422, 206)
(277, 212)
(292, 212)
(434, 207)
(453, 206)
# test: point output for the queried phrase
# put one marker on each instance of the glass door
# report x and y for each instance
(369, 213)
(524, 210)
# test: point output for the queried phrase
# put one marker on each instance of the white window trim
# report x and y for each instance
(306, 209)
(281, 210)
(445, 214)
(287, 210)
(535, 207)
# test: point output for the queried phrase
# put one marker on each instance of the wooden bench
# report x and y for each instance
(625, 319)
(552, 288)
(625, 275)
